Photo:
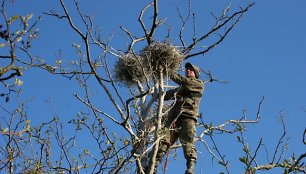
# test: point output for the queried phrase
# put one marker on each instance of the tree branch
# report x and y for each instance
(213, 30)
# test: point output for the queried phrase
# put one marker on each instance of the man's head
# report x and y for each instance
(192, 70)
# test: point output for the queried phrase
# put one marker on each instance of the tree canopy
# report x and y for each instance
(98, 73)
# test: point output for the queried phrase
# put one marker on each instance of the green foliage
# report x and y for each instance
(246, 149)
(244, 160)
(16, 36)
(12, 19)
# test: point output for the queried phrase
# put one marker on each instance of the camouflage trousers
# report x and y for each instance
(184, 129)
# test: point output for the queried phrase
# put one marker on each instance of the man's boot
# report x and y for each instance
(190, 166)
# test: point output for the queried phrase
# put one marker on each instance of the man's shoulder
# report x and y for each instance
(195, 80)
(196, 85)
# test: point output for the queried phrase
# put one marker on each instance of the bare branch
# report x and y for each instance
(141, 20)
(184, 21)
(154, 22)
(71, 22)
(215, 29)
(211, 77)
(304, 137)
(280, 141)
(55, 14)
(97, 110)
(127, 105)
(133, 38)
(221, 127)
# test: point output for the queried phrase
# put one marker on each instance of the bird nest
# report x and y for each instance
(162, 57)
(129, 69)
(153, 59)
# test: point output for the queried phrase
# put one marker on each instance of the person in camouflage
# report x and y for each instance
(182, 117)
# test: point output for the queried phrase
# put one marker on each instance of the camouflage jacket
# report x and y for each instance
(187, 95)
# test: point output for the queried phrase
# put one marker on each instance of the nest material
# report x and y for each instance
(154, 58)
(161, 56)
(129, 69)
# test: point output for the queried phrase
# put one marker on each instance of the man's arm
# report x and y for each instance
(184, 81)
(170, 94)
(177, 78)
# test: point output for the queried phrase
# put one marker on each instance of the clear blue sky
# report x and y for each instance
(265, 55)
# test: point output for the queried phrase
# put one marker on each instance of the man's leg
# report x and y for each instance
(162, 149)
(187, 136)
(169, 139)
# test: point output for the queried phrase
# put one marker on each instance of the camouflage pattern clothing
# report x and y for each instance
(187, 97)
(182, 117)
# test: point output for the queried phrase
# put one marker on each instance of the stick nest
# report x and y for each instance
(161, 56)
(129, 69)
(153, 59)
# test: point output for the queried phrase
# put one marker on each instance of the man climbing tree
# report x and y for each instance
(180, 122)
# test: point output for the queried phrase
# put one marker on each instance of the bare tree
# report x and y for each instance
(140, 115)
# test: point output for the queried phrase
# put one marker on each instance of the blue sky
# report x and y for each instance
(265, 55)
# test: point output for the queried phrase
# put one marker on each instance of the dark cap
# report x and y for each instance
(195, 69)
